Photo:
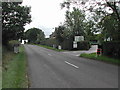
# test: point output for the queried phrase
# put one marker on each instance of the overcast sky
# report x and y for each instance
(46, 14)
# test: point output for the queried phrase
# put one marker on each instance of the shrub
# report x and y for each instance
(67, 44)
(50, 42)
(13, 43)
(83, 45)
(111, 49)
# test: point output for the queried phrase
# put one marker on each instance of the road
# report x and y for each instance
(77, 53)
(51, 69)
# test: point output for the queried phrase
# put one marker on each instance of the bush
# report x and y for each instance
(50, 42)
(67, 44)
(111, 49)
(83, 45)
(13, 43)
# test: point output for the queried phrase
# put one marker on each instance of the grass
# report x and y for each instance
(0, 77)
(0, 67)
(48, 47)
(14, 71)
(101, 58)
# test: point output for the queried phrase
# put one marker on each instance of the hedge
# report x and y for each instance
(83, 45)
(67, 44)
(111, 49)
(50, 42)
(13, 43)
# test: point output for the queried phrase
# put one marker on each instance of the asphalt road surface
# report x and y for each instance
(77, 53)
(51, 69)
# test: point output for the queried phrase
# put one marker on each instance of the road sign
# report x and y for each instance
(74, 44)
(79, 38)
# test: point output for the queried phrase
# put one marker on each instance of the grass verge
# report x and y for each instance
(0, 67)
(0, 77)
(48, 47)
(14, 72)
(101, 58)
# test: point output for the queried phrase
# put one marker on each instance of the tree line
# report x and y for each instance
(77, 22)
(104, 19)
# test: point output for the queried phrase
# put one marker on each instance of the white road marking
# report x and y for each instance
(65, 52)
(71, 64)
(49, 54)
(77, 55)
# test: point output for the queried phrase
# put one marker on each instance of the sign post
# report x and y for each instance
(77, 39)
(74, 44)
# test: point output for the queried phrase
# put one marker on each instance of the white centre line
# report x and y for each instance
(71, 64)
(77, 55)
(49, 54)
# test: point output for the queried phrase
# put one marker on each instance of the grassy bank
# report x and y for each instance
(48, 47)
(101, 58)
(0, 67)
(0, 77)
(14, 71)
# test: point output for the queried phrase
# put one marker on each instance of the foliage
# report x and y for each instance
(83, 45)
(35, 35)
(50, 42)
(67, 44)
(89, 30)
(11, 44)
(104, 14)
(95, 5)
(59, 34)
(14, 42)
(14, 18)
(75, 22)
(110, 27)
(100, 37)
(111, 49)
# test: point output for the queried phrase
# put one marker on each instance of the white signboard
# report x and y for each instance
(59, 47)
(79, 38)
(74, 44)
(23, 41)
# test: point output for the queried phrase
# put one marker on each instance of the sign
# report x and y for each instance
(79, 38)
(24, 41)
(74, 44)
(59, 47)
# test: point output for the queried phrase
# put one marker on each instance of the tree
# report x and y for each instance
(110, 27)
(40, 37)
(75, 21)
(89, 30)
(107, 21)
(34, 35)
(14, 18)
(59, 34)
(94, 5)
